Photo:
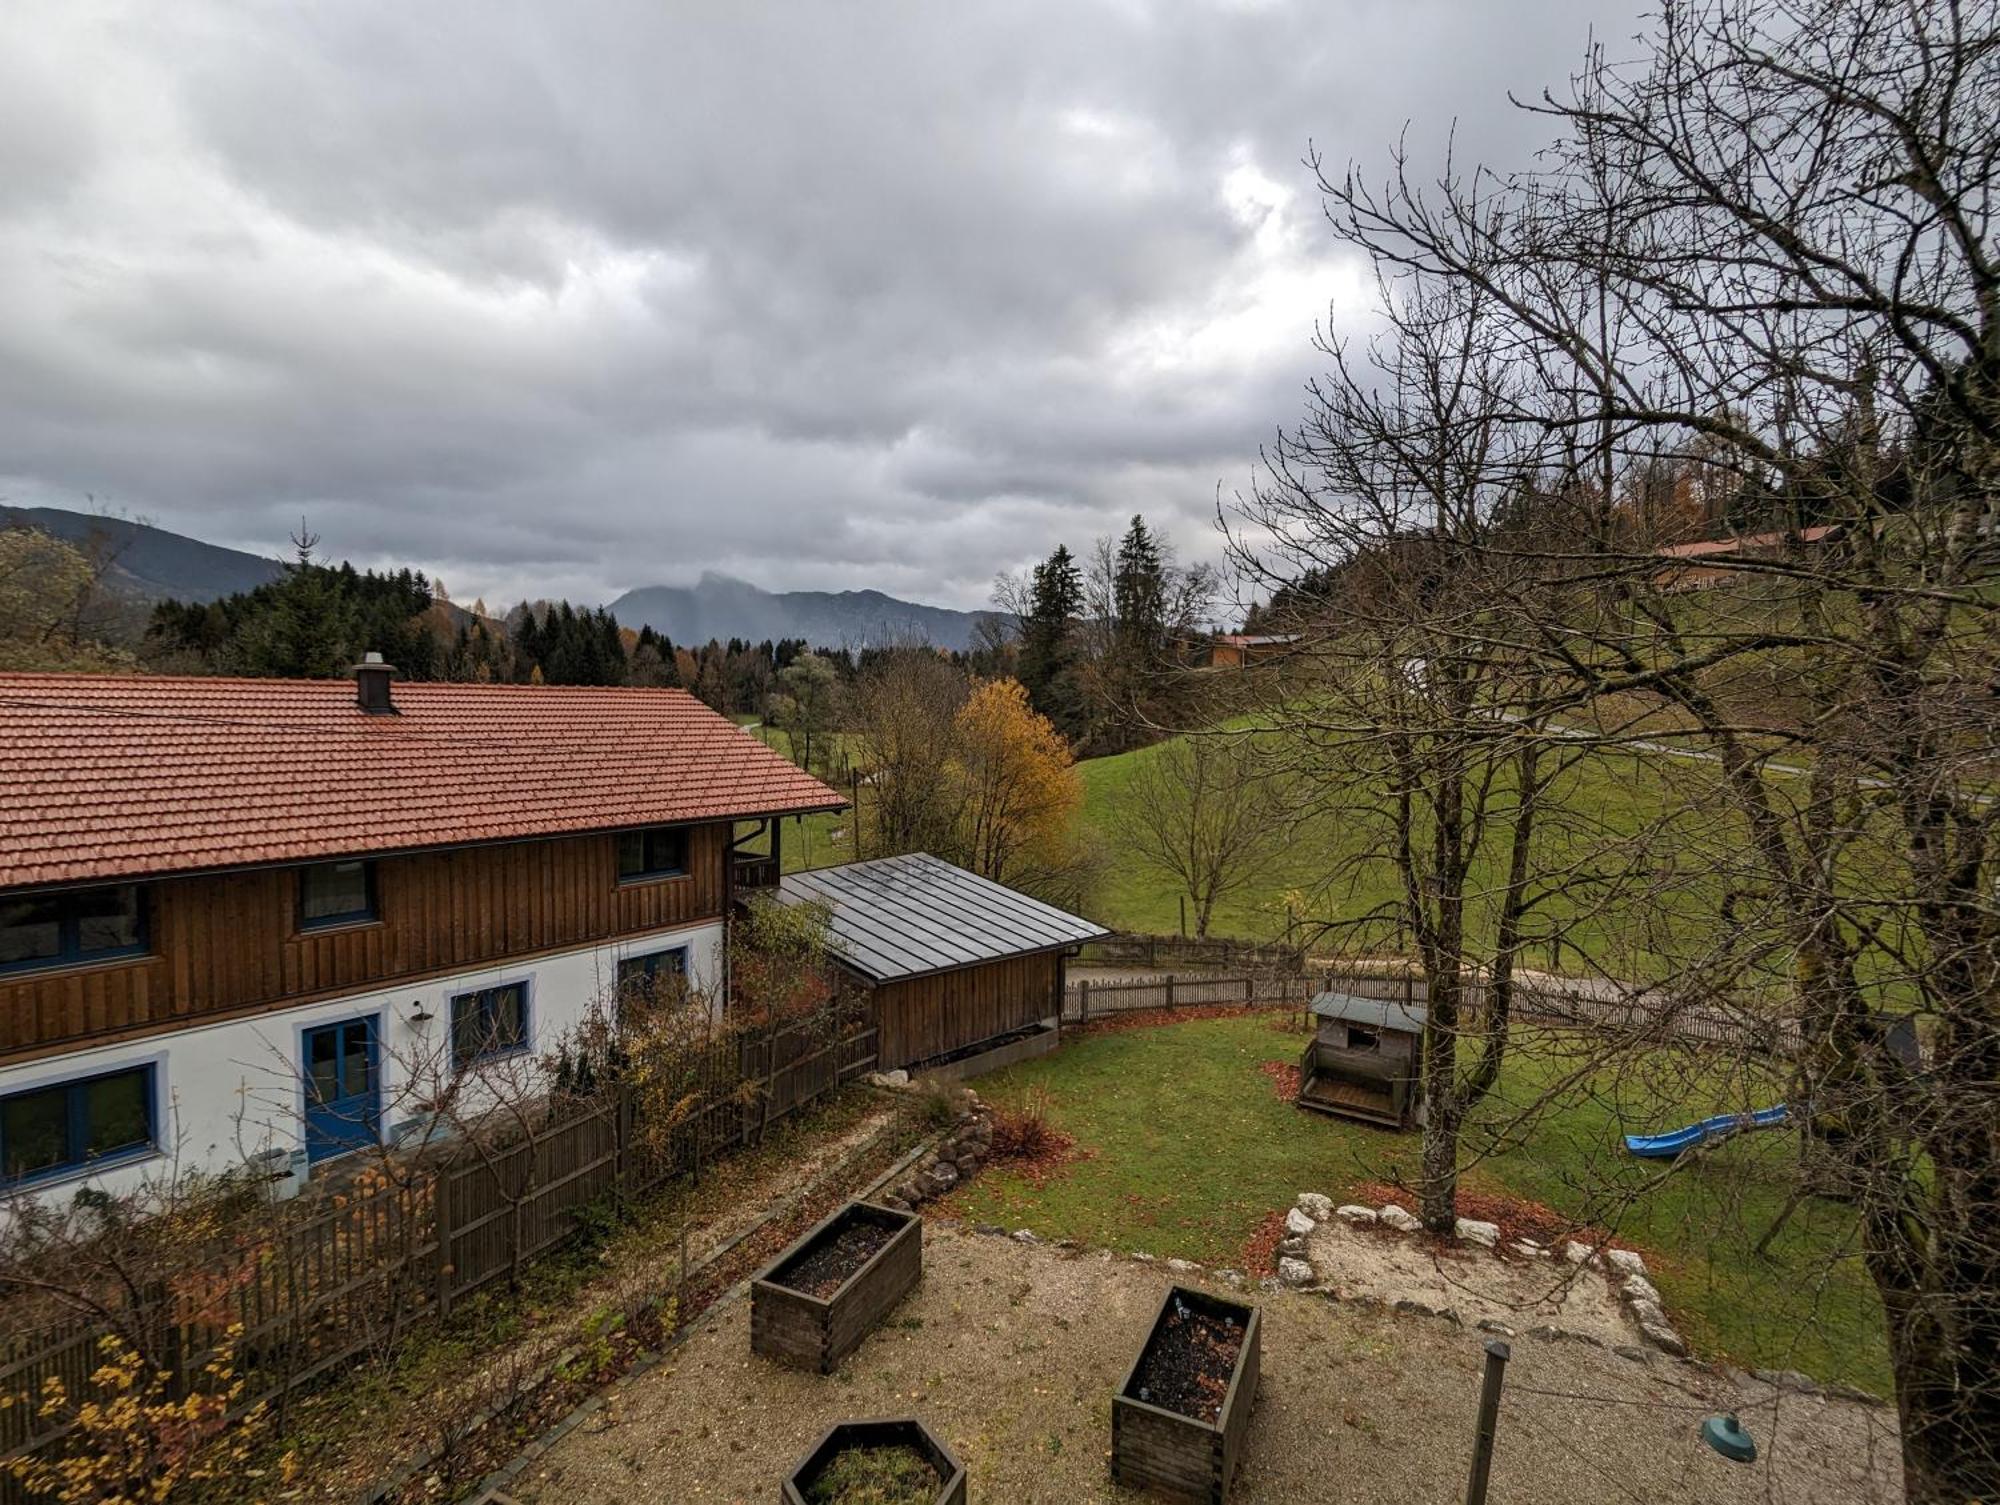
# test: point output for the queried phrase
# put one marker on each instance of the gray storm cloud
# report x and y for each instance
(564, 299)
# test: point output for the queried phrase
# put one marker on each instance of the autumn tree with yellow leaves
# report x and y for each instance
(1018, 794)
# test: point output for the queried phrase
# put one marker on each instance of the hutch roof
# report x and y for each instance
(1371, 1013)
(128, 776)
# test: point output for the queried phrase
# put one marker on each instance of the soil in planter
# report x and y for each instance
(893, 1475)
(1188, 1363)
(823, 1270)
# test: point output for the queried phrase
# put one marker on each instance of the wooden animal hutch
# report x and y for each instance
(1362, 1060)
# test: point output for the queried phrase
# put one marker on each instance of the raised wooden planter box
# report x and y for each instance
(884, 1432)
(817, 1332)
(1165, 1451)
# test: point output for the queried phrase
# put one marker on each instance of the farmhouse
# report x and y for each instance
(1710, 562)
(1239, 650)
(964, 973)
(249, 917)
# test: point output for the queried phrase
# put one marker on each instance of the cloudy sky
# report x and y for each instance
(568, 297)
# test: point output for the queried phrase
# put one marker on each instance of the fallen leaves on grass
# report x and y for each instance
(1517, 1217)
(1284, 1078)
(1260, 1252)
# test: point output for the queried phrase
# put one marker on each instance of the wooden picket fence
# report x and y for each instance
(311, 1288)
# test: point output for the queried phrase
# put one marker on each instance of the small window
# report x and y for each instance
(82, 925)
(491, 1022)
(1362, 1039)
(336, 893)
(656, 852)
(71, 1125)
(657, 976)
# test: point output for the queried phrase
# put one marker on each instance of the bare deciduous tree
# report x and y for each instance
(1201, 810)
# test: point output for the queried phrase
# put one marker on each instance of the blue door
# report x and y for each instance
(343, 1094)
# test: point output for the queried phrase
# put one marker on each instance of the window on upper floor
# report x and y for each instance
(488, 1023)
(656, 852)
(68, 1126)
(75, 926)
(336, 893)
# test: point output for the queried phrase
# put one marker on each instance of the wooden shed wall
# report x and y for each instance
(230, 942)
(928, 1016)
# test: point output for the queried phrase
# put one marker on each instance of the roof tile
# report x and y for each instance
(120, 776)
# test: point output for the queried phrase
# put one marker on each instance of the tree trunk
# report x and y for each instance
(1437, 1193)
(1947, 1388)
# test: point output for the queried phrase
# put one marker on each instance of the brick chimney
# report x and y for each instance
(371, 685)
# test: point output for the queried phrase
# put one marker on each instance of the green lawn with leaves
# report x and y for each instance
(1186, 1145)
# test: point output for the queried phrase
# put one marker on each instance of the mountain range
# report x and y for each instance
(719, 606)
(151, 564)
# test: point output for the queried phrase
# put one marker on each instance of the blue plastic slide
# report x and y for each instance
(1667, 1146)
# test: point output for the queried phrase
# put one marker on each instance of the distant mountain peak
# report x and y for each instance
(722, 607)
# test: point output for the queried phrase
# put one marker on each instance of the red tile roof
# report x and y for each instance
(116, 776)
(1705, 548)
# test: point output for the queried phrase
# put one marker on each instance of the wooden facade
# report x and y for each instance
(924, 1017)
(230, 943)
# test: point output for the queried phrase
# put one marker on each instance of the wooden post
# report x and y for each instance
(441, 1225)
(1497, 1354)
(1170, 990)
(1183, 902)
(1083, 1000)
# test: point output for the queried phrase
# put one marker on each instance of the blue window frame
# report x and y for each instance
(71, 1126)
(655, 852)
(336, 893)
(489, 1023)
(650, 977)
(73, 927)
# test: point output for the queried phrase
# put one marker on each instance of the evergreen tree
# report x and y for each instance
(1048, 652)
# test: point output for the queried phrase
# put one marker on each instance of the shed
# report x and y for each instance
(1362, 1060)
(964, 972)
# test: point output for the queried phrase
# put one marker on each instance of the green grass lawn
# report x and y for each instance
(1187, 1145)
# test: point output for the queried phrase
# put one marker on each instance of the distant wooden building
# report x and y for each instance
(963, 972)
(1710, 562)
(1237, 650)
(1362, 1061)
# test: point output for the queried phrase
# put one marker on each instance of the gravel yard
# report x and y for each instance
(1010, 1353)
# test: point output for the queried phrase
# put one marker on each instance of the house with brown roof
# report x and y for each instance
(236, 914)
(1709, 562)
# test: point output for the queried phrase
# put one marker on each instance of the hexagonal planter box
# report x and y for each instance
(1159, 1446)
(904, 1431)
(798, 1315)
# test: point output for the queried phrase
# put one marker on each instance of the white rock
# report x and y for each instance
(1527, 1248)
(1648, 1314)
(1315, 1206)
(1026, 1236)
(1298, 1224)
(1182, 1266)
(1354, 1212)
(1625, 1262)
(1664, 1338)
(1472, 1231)
(1295, 1272)
(1638, 1288)
(1579, 1254)
(1399, 1218)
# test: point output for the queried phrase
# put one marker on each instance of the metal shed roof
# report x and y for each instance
(1371, 1013)
(898, 917)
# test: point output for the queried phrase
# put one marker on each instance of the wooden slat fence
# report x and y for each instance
(311, 1289)
(1641, 1015)
(1134, 950)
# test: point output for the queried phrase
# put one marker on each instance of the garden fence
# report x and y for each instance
(309, 1289)
(1603, 1008)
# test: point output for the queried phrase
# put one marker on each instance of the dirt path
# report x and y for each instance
(1011, 1352)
